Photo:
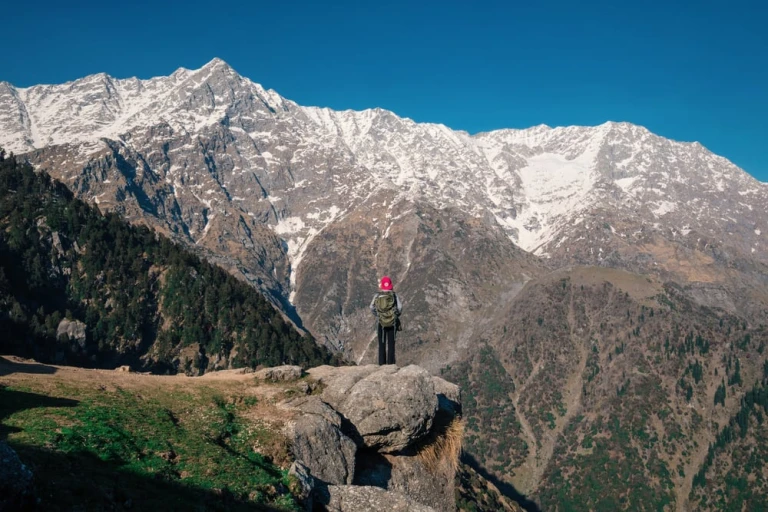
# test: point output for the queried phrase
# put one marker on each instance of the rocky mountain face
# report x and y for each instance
(568, 278)
(262, 185)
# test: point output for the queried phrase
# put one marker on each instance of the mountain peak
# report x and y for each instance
(217, 64)
(625, 127)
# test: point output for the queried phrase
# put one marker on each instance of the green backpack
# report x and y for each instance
(386, 309)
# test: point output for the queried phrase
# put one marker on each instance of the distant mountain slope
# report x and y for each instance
(534, 181)
(606, 390)
(79, 287)
(255, 182)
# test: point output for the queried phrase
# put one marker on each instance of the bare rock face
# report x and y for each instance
(448, 396)
(426, 471)
(449, 292)
(410, 475)
(319, 443)
(329, 454)
(358, 498)
(74, 329)
(16, 480)
(283, 373)
(273, 191)
(305, 484)
(389, 408)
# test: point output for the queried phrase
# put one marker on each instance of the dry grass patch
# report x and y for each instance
(443, 446)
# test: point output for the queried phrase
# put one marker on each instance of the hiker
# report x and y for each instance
(386, 307)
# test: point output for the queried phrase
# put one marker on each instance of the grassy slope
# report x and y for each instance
(99, 439)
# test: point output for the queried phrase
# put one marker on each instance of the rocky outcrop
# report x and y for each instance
(283, 373)
(74, 329)
(374, 437)
(302, 484)
(15, 481)
(390, 408)
(319, 444)
(448, 396)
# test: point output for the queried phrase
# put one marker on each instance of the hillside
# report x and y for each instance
(110, 440)
(234, 440)
(81, 288)
(597, 373)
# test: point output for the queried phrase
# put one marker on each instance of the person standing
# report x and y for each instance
(386, 307)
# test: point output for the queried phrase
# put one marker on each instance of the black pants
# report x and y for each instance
(386, 345)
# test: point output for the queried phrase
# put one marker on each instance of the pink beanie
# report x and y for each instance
(386, 283)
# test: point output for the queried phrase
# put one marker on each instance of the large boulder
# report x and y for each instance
(16, 491)
(359, 498)
(424, 473)
(388, 408)
(318, 442)
(74, 329)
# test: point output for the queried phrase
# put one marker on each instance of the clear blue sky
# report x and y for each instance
(695, 70)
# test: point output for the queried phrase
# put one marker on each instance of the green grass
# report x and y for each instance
(92, 449)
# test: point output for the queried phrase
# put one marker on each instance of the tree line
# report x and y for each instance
(79, 287)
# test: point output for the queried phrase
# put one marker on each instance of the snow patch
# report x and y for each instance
(626, 183)
(555, 188)
(663, 208)
(289, 225)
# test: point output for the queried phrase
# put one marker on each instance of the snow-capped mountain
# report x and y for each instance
(534, 181)
(254, 179)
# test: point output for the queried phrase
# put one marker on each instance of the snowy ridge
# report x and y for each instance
(296, 168)
(100, 106)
